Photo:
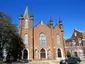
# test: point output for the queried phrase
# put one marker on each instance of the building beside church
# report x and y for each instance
(43, 41)
(76, 44)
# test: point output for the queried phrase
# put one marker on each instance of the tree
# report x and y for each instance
(9, 39)
(7, 31)
(68, 54)
(16, 46)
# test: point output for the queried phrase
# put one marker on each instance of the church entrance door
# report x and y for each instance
(42, 53)
(59, 53)
(25, 54)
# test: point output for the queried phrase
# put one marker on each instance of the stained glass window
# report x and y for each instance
(42, 39)
(58, 40)
(26, 40)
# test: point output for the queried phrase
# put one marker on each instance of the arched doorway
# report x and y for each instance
(25, 54)
(42, 53)
(59, 53)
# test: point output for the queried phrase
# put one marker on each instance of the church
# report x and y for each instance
(43, 41)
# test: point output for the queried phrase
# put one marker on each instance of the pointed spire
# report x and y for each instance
(50, 19)
(51, 22)
(26, 11)
(21, 14)
(60, 20)
(60, 24)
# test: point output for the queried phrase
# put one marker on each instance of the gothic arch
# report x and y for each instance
(43, 53)
(25, 54)
(59, 53)
(26, 40)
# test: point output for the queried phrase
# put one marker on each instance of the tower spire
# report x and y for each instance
(21, 16)
(60, 24)
(26, 11)
(51, 22)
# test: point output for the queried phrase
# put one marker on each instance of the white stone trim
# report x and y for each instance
(41, 22)
(28, 53)
(4, 54)
(61, 54)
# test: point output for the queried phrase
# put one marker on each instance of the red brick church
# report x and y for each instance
(43, 41)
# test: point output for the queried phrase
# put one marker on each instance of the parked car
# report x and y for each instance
(71, 60)
(63, 62)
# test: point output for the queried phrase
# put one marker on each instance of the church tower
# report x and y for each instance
(26, 32)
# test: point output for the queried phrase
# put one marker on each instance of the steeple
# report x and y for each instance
(51, 22)
(60, 20)
(60, 24)
(26, 11)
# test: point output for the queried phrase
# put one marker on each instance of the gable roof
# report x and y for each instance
(42, 23)
(79, 30)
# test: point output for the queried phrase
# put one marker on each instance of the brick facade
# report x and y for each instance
(53, 45)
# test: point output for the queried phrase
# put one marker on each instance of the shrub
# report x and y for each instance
(68, 54)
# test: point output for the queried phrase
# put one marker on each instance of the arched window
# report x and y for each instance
(59, 53)
(26, 40)
(42, 39)
(26, 23)
(58, 40)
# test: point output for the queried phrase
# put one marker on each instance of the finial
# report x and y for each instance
(21, 14)
(60, 19)
(50, 18)
(41, 22)
(51, 22)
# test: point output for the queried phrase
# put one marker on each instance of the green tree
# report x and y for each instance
(9, 39)
(7, 31)
(68, 54)
(15, 48)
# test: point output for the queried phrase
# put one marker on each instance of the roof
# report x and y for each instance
(81, 31)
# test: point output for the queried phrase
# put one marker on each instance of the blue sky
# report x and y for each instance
(72, 12)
